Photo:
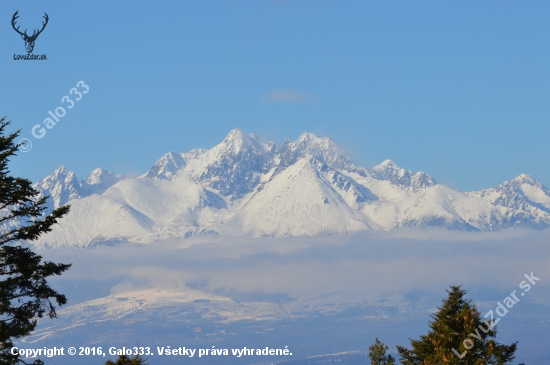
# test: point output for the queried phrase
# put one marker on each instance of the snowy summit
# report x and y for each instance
(249, 186)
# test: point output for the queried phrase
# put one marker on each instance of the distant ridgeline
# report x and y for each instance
(248, 186)
(348, 358)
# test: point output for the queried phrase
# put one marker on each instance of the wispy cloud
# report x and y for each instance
(368, 265)
(290, 96)
(375, 283)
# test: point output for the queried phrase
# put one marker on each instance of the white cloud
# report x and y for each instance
(290, 96)
(369, 266)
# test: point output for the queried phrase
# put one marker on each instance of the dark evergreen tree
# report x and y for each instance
(24, 292)
(458, 325)
(377, 354)
(126, 360)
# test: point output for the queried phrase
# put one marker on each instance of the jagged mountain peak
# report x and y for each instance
(61, 174)
(517, 184)
(525, 179)
(233, 167)
(246, 185)
(312, 141)
(62, 171)
(100, 180)
(310, 137)
(98, 175)
(62, 185)
(388, 170)
(172, 155)
(237, 141)
(235, 133)
(523, 193)
(386, 164)
(323, 149)
(166, 167)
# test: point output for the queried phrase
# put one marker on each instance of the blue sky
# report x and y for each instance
(457, 89)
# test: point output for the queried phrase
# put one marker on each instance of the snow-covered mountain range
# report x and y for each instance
(248, 186)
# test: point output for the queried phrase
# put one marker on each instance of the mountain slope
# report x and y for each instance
(246, 185)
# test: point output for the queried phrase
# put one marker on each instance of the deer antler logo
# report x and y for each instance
(29, 39)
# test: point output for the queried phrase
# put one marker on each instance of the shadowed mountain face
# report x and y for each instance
(248, 186)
